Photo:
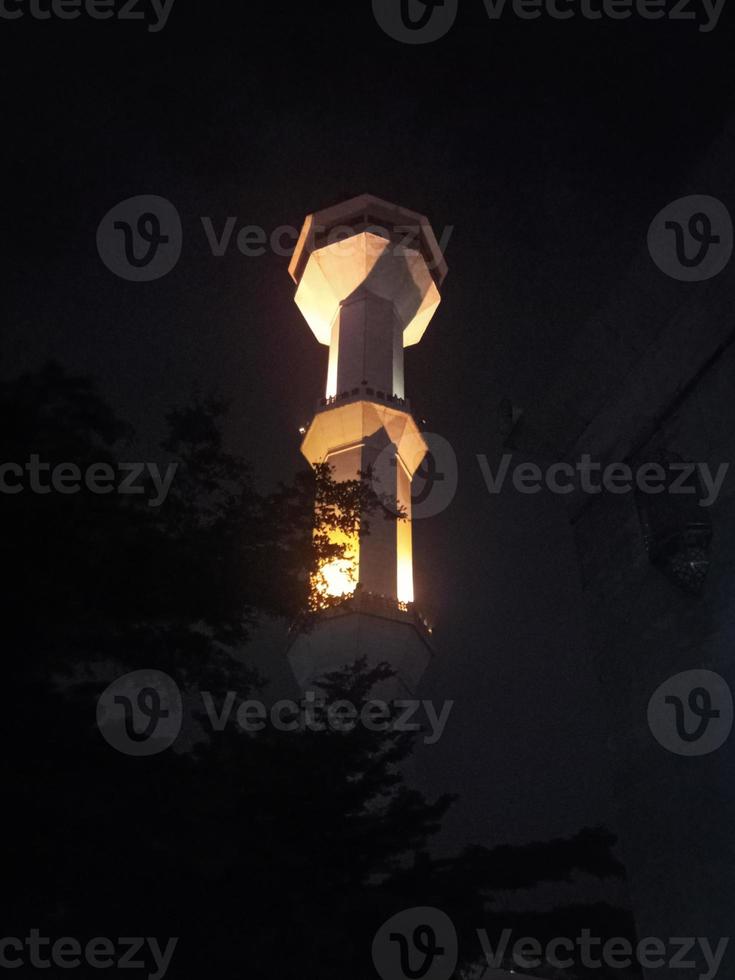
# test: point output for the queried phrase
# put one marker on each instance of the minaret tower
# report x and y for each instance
(368, 275)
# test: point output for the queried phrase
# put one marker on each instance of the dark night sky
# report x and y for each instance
(548, 146)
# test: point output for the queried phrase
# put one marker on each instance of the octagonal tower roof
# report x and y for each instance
(367, 243)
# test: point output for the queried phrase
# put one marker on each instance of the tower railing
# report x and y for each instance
(360, 393)
(371, 604)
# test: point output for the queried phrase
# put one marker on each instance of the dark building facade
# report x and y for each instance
(652, 379)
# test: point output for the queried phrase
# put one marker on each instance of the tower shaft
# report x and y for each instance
(366, 347)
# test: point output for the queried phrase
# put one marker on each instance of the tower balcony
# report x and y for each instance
(370, 604)
(363, 393)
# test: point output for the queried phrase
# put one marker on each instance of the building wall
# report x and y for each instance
(676, 815)
(654, 372)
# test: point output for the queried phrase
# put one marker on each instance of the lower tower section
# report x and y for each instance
(370, 627)
(376, 618)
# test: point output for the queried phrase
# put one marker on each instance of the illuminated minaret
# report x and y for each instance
(368, 275)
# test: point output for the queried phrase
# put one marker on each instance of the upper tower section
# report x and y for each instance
(368, 275)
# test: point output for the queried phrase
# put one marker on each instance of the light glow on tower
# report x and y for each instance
(339, 576)
(404, 575)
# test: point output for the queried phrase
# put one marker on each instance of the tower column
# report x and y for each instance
(366, 346)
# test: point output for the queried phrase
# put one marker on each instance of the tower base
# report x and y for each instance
(369, 627)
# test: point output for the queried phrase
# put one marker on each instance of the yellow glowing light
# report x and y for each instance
(404, 576)
(404, 544)
(333, 362)
(339, 576)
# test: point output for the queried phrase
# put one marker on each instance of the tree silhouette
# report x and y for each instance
(269, 854)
